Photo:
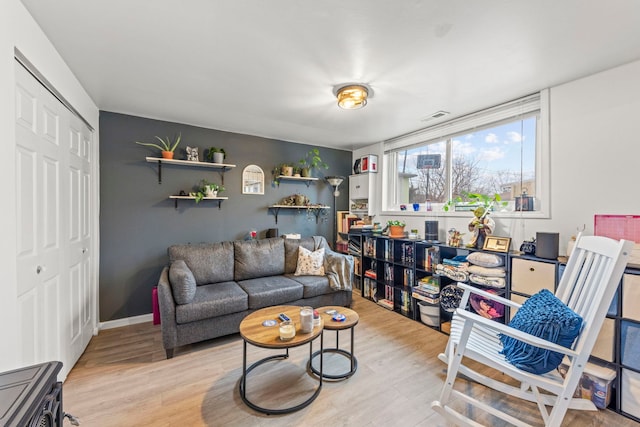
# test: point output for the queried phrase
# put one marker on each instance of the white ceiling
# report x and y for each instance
(268, 68)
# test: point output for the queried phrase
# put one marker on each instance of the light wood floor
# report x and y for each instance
(123, 379)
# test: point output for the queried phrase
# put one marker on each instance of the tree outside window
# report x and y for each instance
(499, 158)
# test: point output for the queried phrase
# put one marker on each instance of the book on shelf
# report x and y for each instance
(429, 300)
(371, 274)
(354, 247)
(407, 277)
(388, 273)
(429, 283)
(369, 247)
(426, 293)
(369, 288)
(342, 246)
(388, 292)
(405, 299)
(356, 266)
(406, 256)
(340, 224)
(386, 304)
(430, 258)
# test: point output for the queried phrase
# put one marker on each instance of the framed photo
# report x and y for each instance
(497, 244)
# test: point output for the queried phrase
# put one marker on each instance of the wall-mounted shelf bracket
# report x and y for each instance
(221, 167)
(306, 180)
(177, 198)
(316, 210)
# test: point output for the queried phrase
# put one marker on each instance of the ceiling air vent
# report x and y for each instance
(436, 115)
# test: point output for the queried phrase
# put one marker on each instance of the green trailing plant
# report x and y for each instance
(212, 150)
(165, 145)
(310, 161)
(204, 189)
(484, 200)
(396, 222)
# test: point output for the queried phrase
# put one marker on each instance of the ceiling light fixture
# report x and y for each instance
(352, 97)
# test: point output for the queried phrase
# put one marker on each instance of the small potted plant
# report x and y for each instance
(167, 147)
(208, 189)
(284, 169)
(396, 228)
(216, 155)
(310, 161)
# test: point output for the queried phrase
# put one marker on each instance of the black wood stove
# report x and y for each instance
(31, 396)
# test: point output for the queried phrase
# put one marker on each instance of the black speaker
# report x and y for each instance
(431, 231)
(547, 245)
(272, 232)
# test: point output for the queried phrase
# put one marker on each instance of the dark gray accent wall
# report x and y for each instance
(138, 221)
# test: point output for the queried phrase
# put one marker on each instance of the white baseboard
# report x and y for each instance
(126, 321)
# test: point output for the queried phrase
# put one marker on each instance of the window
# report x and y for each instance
(499, 150)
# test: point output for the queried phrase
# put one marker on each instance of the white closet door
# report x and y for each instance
(53, 233)
(79, 237)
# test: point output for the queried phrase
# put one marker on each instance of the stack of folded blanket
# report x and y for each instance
(486, 269)
(455, 268)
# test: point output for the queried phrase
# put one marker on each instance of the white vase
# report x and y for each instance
(211, 193)
(218, 157)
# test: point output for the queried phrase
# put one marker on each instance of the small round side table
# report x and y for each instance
(350, 322)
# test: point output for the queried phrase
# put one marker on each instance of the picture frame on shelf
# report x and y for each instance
(497, 244)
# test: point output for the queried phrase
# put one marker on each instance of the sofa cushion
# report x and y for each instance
(183, 284)
(213, 300)
(310, 263)
(271, 290)
(291, 252)
(209, 262)
(313, 285)
(258, 258)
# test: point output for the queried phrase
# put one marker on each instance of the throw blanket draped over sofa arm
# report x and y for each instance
(208, 289)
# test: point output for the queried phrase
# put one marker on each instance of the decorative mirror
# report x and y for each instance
(252, 180)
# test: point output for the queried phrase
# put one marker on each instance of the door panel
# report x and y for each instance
(55, 292)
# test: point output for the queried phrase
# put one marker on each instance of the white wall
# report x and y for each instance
(595, 158)
(18, 29)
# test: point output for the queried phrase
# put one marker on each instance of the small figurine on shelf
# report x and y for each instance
(481, 226)
(455, 238)
(192, 154)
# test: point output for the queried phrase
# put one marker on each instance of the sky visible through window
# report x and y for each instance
(495, 159)
(501, 148)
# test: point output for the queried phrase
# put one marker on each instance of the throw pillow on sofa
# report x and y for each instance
(183, 283)
(310, 263)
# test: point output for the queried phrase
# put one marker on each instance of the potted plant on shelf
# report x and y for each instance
(310, 161)
(284, 169)
(396, 228)
(167, 147)
(481, 225)
(208, 189)
(216, 155)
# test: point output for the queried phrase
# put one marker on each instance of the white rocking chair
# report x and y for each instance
(587, 287)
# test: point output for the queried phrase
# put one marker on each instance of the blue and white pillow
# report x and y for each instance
(544, 316)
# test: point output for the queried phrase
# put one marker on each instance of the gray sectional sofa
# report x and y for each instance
(207, 289)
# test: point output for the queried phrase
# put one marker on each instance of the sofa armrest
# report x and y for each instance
(167, 311)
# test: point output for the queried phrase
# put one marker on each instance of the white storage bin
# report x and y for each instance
(595, 384)
(429, 313)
